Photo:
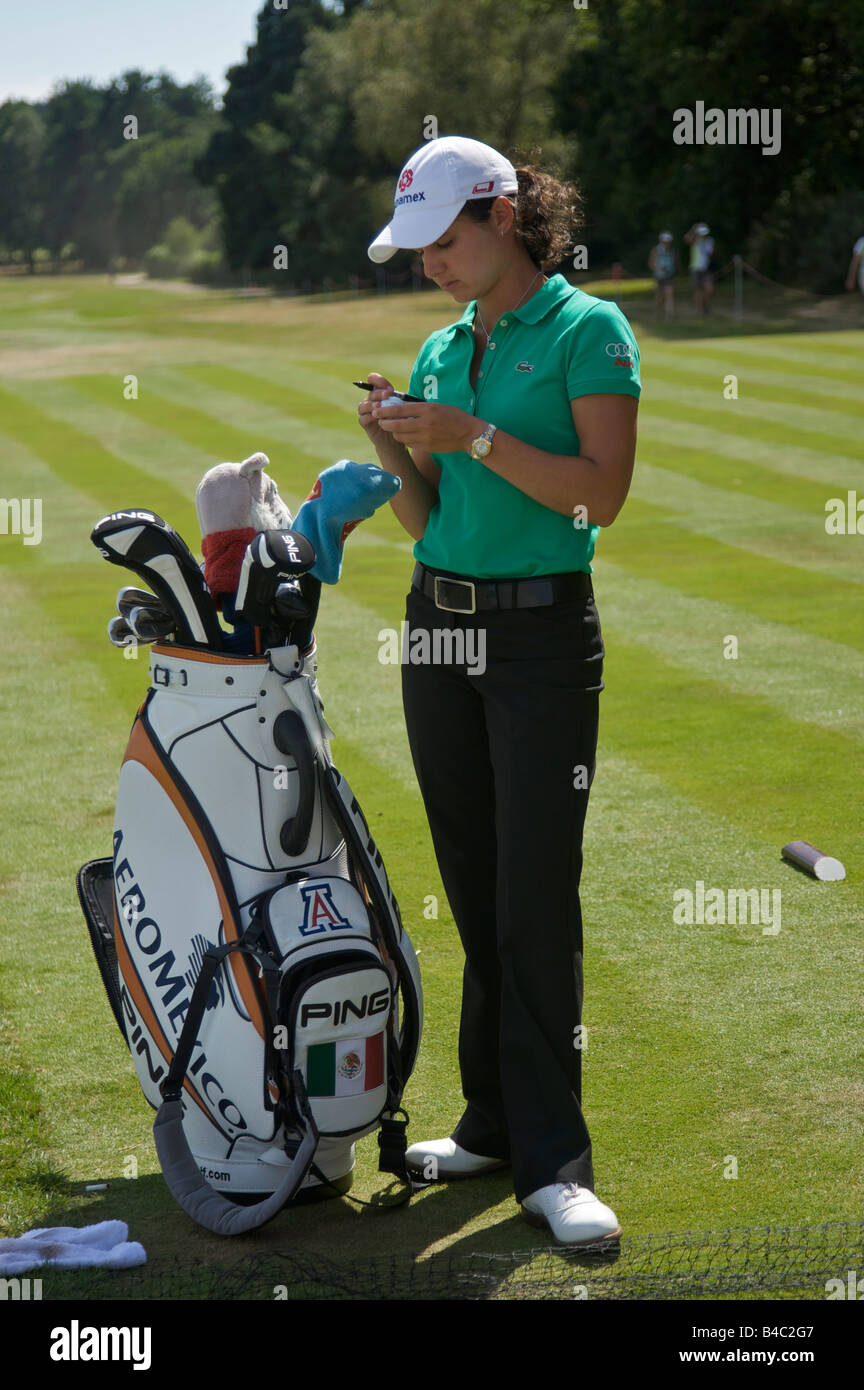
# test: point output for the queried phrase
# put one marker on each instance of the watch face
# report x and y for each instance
(481, 447)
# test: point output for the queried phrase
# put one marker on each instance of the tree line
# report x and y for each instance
(288, 179)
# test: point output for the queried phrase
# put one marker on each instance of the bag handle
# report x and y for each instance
(291, 738)
(191, 1190)
(186, 1183)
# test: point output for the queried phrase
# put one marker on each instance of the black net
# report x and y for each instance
(748, 1262)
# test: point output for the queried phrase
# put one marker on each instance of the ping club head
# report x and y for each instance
(147, 617)
(290, 605)
(151, 625)
(294, 612)
(153, 550)
(129, 598)
(120, 633)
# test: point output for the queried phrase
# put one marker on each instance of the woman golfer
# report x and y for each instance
(522, 447)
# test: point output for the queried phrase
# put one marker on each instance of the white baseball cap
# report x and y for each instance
(435, 183)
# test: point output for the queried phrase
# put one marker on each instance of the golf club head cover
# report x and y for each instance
(343, 496)
(277, 591)
(272, 560)
(235, 501)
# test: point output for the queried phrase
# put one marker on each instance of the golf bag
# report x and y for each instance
(248, 939)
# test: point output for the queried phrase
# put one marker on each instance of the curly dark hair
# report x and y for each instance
(548, 215)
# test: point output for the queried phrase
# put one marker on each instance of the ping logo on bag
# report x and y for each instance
(337, 1012)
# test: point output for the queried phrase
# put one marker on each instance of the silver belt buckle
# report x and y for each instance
(466, 584)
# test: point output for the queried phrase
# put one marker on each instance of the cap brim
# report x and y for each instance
(410, 231)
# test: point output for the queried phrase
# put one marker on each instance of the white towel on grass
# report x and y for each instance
(72, 1247)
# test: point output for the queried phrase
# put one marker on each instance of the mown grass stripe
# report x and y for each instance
(67, 515)
(749, 480)
(814, 357)
(771, 373)
(295, 467)
(117, 357)
(298, 405)
(332, 385)
(332, 388)
(296, 458)
(117, 425)
(839, 417)
(809, 464)
(845, 341)
(82, 461)
(319, 431)
(214, 437)
(739, 756)
(645, 541)
(693, 633)
(748, 523)
(770, 431)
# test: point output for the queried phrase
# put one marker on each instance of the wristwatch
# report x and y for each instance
(481, 446)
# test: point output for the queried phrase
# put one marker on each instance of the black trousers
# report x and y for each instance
(505, 760)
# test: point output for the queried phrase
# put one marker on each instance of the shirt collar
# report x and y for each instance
(533, 310)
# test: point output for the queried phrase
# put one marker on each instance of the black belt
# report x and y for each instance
(470, 595)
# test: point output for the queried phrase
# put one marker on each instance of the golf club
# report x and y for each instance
(152, 549)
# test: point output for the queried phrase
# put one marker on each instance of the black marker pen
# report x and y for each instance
(403, 395)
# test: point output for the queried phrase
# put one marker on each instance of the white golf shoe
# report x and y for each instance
(443, 1158)
(572, 1213)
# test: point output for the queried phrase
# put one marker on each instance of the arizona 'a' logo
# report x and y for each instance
(320, 912)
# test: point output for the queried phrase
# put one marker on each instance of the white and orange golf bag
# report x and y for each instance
(250, 944)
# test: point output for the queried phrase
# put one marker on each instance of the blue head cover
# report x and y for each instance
(343, 496)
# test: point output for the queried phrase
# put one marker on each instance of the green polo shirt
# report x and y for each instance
(559, 345)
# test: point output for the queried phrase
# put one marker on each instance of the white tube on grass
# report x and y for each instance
(805, 856)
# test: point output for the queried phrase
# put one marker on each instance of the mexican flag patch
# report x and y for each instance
(345, 1068)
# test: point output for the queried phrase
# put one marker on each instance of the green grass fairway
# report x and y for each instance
(723, 1072)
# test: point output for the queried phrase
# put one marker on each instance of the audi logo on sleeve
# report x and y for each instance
(624, 353)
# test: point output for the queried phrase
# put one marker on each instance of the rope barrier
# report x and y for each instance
(789, 289)
(756, 274)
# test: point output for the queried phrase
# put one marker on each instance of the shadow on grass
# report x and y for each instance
(328, 1250)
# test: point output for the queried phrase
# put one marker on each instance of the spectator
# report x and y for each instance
(664, 264)
(856, 266)
(701, 245)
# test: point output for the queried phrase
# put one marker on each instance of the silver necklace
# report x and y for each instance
(489, 342)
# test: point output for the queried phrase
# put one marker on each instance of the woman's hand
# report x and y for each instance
(428, 425)
(383, 388)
